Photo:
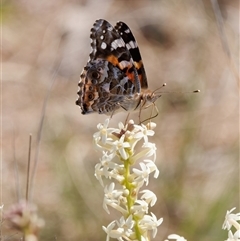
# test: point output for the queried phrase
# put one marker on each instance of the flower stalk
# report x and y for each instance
(123, 149)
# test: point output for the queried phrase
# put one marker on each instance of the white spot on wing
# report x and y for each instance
(127, 30)
(103, 45)
(117, 43)
(123, 64)
(101, 37)
(131, 45)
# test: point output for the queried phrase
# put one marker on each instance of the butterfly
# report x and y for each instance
(114, 78)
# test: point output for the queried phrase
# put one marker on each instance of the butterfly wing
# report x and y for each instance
(109, 82)
(131, 44)
(107, 44)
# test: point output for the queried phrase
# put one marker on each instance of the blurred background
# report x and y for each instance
(45, 46)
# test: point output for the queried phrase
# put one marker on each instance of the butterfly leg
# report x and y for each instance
(154, 107)
(127, 118)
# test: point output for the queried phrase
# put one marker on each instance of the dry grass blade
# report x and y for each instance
(28, 166)
(44, 106)
(223, 37)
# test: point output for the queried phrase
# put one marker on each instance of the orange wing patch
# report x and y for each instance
(113, 60)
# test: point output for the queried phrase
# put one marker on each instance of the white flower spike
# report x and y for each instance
(128, 170)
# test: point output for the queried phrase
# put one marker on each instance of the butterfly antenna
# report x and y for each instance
(155, 91)
(183, 92)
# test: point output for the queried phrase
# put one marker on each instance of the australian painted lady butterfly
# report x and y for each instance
(114, 78)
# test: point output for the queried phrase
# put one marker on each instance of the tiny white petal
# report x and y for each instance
(149, 197)
(231, 220)
(176, 237)
(151, 125)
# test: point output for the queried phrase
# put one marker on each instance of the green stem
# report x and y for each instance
(130, 200)
(128, 185)
(137, 230)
